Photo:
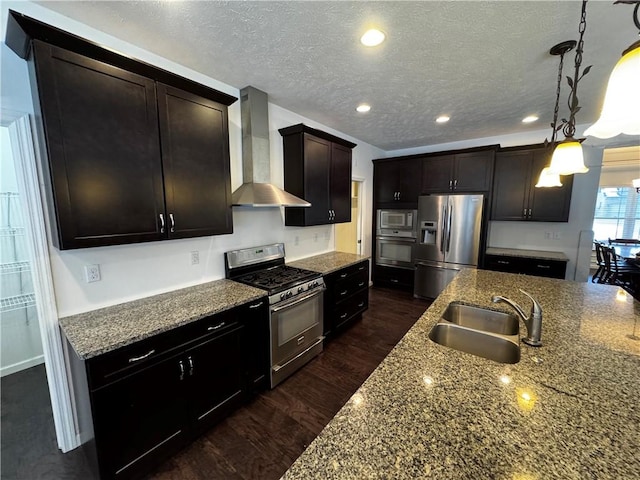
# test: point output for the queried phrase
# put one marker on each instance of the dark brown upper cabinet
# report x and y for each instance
(127, 157)
(396, 182)
(514, 194)
(467, 171)
(317, 167)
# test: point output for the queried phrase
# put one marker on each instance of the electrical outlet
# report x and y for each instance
(547, 235)
(556, 235)
(92, 273)
(195, 257)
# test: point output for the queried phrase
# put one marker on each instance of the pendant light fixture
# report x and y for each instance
(548, 179)
(567, 157)
(621, 109)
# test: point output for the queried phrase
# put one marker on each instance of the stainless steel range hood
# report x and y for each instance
(257, 191)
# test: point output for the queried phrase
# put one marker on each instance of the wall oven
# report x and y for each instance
(396, 238)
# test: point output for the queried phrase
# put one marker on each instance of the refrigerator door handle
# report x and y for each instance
(449, 227)
(443, 231)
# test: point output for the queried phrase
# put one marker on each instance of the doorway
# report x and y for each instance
(349, 235)
(35, 299)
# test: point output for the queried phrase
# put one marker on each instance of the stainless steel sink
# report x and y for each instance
(478, 331)
(481, 319)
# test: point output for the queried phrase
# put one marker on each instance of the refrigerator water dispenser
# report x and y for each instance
(428, 232)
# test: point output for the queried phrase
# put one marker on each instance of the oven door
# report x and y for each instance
(296, 326)
(395, 251)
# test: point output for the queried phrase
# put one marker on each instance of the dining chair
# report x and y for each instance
(616, 271)
(598, 276)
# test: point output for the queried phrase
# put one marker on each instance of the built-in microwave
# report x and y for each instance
(397, 222)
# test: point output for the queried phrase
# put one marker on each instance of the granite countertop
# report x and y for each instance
(518, 252)
(569, 409)
(101, 331)
(326, 263)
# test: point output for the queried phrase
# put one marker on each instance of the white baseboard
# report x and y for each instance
(16, 367)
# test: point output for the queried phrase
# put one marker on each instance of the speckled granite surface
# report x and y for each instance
(517, 252)
(326, 263)
(101, 331)
(568, 410)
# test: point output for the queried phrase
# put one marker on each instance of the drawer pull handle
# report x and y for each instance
(161, 223)
(216, 327)
(181, 369)
(342, 294)
(343, 316)
(503, 262)
(301, 340)
(142, 357)
(361, 304)
(394, 280)
(361, 284)
(343, 275)
(362, 268)
(173, 223)
(256, 305)
(543, 266)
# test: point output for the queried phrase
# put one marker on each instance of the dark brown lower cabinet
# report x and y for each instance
(394, 277)
(143, 402)
(346, 297)
(526, 265)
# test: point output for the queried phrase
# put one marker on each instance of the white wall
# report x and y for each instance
(135, 271)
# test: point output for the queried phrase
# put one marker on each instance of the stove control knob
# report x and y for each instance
(289, 294)
(300, 289)
(282, 296)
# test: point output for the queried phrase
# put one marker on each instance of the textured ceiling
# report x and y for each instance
(486, 64)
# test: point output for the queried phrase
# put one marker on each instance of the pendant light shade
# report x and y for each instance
(548, 179)
(568, 158)
(621, 109)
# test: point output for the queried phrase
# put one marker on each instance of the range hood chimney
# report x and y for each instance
(256, 191)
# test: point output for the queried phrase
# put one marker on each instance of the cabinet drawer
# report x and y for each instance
(352, 270)
(125, 361)
(526, 266)
(353, 306)
(393, 277)
(350, 285)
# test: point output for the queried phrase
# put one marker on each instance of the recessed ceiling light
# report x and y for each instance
(372, 38)
(530, 119)
(442, 119)
(363, 108)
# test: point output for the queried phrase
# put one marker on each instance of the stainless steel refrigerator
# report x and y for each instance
(449, 229)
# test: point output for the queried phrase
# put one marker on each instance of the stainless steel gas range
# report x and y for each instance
(295, 304)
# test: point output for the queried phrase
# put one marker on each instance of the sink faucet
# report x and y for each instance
(533, 322)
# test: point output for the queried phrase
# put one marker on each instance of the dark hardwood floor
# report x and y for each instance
(258, 441)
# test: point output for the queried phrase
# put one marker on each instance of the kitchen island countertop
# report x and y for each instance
(326, 263)
(100, 331)
(569, 409)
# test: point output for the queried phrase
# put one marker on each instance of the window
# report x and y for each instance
(617, 213)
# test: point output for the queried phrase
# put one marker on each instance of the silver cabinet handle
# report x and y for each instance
(361, 284)
(181, 365)
(529, 212)
(216, 327)
(173, 223)
(344, 315)
(543, 266)
(190, 366)
(455, 184)
(361, 268)
(161, 223)
(256, 305)
(450, 184)
(342, 294)
(503, 262)
(394, 280)
(360, 305)
(343, 275)
(329, 214)
(142, 357)
(524, 213)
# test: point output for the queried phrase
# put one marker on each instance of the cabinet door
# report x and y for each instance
(386, 181)
(341, 183)
(437, 174)
(195, 156)
(408, 180)
(139, 419)
(255, 316)
(511, 185)
(549, 204)
(473, 172)
(101, 129)
(215, 370)
(317, 173)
